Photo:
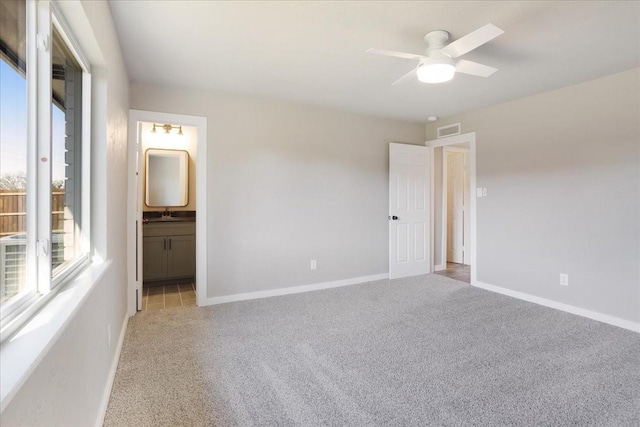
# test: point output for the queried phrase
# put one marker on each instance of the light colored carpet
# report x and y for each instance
(422, 351)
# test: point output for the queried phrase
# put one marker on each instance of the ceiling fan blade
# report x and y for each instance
(402, 55)
(410, 75)
(473, 68)
(472, 40)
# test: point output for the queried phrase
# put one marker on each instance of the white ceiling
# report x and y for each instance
(314, 52)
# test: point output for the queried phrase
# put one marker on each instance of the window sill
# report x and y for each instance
(21, 353)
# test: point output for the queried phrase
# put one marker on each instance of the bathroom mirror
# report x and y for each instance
(167, 178)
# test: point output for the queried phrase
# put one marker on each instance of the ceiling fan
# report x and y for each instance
(440, 64)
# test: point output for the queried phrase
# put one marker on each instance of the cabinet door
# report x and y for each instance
(154, 258)
(181, 261)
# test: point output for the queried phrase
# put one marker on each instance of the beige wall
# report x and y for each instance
(289, 183)
(562, 171)
(172, 141)
(68, 385)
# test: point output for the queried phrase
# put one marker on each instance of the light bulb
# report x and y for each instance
(436, 70)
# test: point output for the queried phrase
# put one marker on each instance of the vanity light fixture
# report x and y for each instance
(167, 128)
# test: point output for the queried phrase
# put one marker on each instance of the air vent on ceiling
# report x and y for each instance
(449, 130)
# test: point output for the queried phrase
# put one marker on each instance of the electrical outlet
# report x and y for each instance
(564, 279)
(314, 264)
(109, 335)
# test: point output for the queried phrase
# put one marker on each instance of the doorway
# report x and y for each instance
(456, 202)
(455, 215)
(167, 261)
(454, 199)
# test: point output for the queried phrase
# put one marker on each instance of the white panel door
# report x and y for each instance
(455, 206)
(409, 210)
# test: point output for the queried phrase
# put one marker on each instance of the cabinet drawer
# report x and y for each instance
(169, 229)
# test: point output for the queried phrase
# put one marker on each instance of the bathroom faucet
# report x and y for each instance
(166, 213)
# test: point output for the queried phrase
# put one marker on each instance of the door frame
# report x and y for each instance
(445, 210)
(135, 265)
(469, 138)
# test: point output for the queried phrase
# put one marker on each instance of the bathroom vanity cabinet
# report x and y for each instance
(169, 250)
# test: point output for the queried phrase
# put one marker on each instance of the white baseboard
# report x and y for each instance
(439, 267)
(112, 374)
(294, 289)
(605, 318)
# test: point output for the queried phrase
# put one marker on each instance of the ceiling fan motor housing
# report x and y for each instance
(436, 39)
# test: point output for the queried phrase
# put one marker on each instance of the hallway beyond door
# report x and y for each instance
(456, 271)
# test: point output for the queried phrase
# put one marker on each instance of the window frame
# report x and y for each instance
(42, 17)
(82, 259)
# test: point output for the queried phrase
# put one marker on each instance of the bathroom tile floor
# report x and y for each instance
(157, 297)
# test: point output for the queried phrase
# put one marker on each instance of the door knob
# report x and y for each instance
(393, 218)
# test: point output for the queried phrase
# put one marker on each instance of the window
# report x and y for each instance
(66, 150)
(44, 236)
(13, 153)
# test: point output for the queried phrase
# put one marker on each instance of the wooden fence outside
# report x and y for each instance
(13, 212)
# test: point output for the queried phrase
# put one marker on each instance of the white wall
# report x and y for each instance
(288, 183)
(67, 387)
(562, 171)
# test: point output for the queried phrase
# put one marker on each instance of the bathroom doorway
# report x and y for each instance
(167, 211)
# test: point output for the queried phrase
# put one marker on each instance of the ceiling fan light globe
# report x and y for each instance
(435, 71)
